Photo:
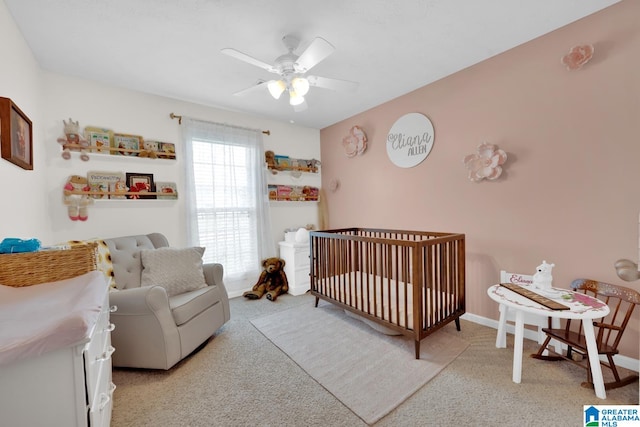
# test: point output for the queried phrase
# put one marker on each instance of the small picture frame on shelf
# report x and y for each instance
(166, 190)
(16, 135)
(126, 145)
(139, 184)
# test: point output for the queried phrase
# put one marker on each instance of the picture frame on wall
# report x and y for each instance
(16, 135)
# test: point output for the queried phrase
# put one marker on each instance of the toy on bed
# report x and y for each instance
(272, 281)
(73, 141)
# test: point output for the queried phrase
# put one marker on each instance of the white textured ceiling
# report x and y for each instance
(172, 47)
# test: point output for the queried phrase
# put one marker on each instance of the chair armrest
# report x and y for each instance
(145, 334)
(139, 301)
(213, 276)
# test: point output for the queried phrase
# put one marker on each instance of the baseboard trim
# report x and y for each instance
(235, 294)
(621, 361)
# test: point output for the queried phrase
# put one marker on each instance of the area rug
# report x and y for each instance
(369, 372)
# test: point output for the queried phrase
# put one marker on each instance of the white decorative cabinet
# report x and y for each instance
(69, 386)
(297, 266)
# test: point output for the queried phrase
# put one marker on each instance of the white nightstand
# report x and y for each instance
(297, 266)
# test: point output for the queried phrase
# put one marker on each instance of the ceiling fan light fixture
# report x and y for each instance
(276, 87)
(300, 86)
(295, 98)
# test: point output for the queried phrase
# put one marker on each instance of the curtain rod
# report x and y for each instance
(175, 116)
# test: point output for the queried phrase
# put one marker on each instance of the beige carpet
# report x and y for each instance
(240, 379)
(369, 372)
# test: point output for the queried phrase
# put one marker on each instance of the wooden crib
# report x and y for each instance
(411, 282)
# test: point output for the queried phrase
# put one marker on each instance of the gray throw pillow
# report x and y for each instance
(176, 270)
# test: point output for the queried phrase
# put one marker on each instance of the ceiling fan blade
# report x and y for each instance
(333, 84)
(249, 59)
(301, 107)
(260, 85)
(318, 50)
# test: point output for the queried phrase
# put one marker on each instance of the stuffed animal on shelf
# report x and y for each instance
(73, 141)
(542, 279)
(272, 281)
(150, 149)
(77, 203)
(270, 159)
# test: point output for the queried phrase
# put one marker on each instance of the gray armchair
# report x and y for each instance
(152, 329)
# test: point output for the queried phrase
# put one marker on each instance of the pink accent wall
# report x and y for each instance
(569, 190)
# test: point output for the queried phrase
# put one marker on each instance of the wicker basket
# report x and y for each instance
(34, 268)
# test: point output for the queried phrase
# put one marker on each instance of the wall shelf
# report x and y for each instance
(118, 153)
(121, 193)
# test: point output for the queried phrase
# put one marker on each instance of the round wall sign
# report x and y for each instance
(410, 140)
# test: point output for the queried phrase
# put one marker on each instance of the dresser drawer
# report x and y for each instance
(100, 339)
(98, 375)
(97, 360)
(302, 276)
(100, 412)
(301, 258)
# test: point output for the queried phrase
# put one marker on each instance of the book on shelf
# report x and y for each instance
(283, 192)
(166, 190)
(99, 138)
(102, 182)
(283, 162)
(310, 193)
(293, 193)
(166, 150)
(117, 189)
(126, 145)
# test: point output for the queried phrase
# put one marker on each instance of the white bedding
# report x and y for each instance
(41, 318)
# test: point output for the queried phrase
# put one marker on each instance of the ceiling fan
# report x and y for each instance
(292, 68)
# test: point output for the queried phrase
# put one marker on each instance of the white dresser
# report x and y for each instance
(66, 386)
(297, 266)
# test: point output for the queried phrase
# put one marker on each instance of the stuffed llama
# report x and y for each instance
(542, 278)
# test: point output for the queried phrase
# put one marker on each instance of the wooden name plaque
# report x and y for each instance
(542, 300)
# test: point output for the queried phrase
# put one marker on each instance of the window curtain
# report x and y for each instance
(227, 205)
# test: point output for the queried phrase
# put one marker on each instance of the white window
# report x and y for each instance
(227, 204)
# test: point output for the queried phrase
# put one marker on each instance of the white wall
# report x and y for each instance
(23, 210)
(126, 111)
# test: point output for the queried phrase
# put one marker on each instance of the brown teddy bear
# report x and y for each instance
(272, 281)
